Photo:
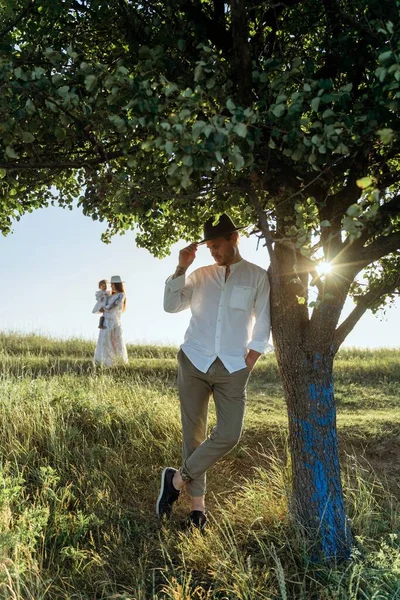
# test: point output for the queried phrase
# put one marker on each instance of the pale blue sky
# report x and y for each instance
(51, 264)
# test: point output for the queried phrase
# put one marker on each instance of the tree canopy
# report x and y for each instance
(158, 114)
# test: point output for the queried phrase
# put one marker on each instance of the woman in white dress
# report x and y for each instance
(111, 348)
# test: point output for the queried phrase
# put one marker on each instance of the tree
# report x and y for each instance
(160, 114)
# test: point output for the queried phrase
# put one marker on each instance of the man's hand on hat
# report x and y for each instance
(187, 256)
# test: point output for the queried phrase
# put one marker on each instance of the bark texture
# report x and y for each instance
(305, 358)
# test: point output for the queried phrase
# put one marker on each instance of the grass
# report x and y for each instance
(81, 454)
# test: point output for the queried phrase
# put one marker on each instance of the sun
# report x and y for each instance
(324, 268)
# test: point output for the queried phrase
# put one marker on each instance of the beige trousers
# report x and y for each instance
(195, 388)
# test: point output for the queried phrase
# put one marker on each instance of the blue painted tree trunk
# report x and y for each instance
(317, 496)
(305, 350)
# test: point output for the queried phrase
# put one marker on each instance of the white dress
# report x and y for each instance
(111, 348)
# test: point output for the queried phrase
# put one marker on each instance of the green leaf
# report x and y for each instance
(341, 149)
(297, 155)
(30, 107)
(3, 173)
(307, 87)
(197, 129)
(347, 88)
(198, 70)
(187, 160)
(363, 183)
(354, 210)
(312, 159)
(237, 159)
(27, 137)
(278, 110)
(325, 223)
(90, 82)
(350, 224)
(170, 89)
(172, 168)
(328, 113)
(118, 122)
(240, 129)
(169, 147)
(230, 105)
(386, 135)
(146, 146)
(385, 56)
(184, 114)
(315, 102)
(381, 73)
(10, 152)
(56, 79)
(63, 90)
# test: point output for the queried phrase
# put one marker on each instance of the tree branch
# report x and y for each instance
(74, 164)
(380, 247)
(219, 36)
(241, 48)
(219, 11)
(264, 226)
(363, 304)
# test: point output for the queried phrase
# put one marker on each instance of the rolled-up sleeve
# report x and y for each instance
(262, 325)
(178, 293)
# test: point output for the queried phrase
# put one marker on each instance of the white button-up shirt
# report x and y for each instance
(228, 317)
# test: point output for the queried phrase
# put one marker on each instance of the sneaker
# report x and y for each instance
(168, 494)
(196, 519)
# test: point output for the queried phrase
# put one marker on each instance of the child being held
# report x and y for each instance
(101, 300)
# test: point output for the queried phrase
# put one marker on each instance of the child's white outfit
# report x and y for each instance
(101, 300)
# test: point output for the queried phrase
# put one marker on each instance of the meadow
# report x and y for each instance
(82, 450)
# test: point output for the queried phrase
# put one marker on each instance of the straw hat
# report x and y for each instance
(116, 279)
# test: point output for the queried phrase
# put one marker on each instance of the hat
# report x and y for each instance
(224, 226)
(116, 279)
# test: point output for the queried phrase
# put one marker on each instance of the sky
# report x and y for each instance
(51, 264)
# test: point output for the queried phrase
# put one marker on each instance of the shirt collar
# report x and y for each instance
(233, 267)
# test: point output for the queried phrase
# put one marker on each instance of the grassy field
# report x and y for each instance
(82, 450)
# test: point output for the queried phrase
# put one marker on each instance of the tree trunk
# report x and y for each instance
(305, 351)
(317, 496)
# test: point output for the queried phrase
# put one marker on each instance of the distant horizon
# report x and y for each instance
(93, 339)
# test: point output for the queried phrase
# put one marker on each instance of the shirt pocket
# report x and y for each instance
(242, 297)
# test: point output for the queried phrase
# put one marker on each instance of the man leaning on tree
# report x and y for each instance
(228, 331)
